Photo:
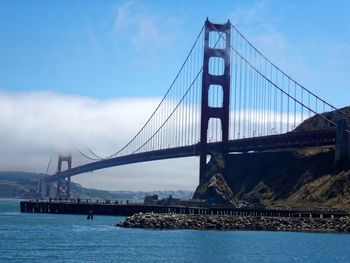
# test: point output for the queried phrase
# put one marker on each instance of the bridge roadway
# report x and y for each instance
(288, 140)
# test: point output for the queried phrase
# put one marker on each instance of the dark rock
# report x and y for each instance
(214, 190)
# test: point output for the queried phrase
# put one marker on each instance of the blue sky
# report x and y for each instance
(110, 49)
(77, 74)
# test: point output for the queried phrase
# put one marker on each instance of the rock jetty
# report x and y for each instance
(225, 222)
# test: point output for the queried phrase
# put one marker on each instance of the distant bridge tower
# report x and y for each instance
(63, 184)
(222, 81)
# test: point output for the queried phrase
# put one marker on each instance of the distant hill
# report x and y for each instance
(18, 184)
(20, 177)
(24, 185)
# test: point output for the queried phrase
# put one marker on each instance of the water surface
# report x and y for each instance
(72, 238)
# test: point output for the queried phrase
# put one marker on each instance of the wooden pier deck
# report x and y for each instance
(128, 209)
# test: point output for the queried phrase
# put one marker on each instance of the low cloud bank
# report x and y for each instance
(36, 125)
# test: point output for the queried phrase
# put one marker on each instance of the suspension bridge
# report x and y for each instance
(226, 97)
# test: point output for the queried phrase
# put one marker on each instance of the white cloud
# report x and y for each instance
(74, 121)
(145, 28)
(36, 124)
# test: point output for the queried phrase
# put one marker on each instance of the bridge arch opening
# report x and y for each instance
(64, 161)
(216, 66)
(214, 130)
(217, 40)
(215, 96)
(64, 166)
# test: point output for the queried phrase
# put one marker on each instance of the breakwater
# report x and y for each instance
(229, 222)
(128, 209)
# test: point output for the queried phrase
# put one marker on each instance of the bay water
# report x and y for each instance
(73, 238)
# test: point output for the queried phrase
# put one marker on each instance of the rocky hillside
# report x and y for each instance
(304, 178)
(328, 190)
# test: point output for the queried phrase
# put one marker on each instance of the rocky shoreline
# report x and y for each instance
(229, 222)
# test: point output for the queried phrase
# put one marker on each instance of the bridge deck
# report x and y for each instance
(271, 142)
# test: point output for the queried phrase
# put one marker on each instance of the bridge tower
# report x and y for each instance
(223, 81)
(63, 184)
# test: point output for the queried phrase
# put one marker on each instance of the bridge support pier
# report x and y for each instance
(342, 146)
(40, 187)
(45, 188)
(63, 184)
(209, 81)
